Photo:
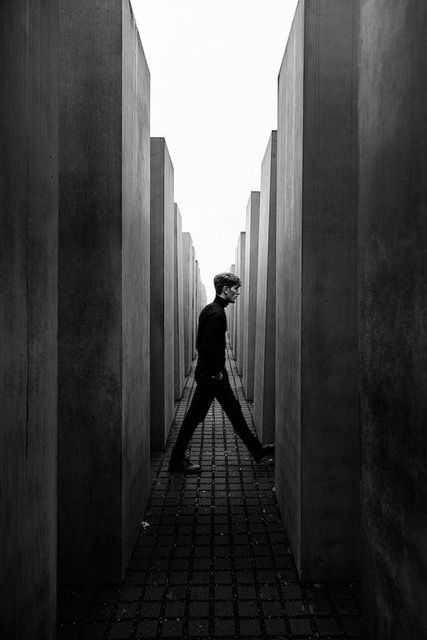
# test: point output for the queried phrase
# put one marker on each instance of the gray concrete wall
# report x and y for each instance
(178, 305)
(197, 291)
(162, 293)
(240, 303)
(265, 341)
(250, 299)
(187, 297)
(103, 457)
(231, 316)
(317, 463)
(135, 281)
(392, 267)
(194, 315)
(28, 318)
(204, 296)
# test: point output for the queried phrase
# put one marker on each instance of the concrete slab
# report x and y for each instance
(250, 299)
(316, 286)
(162, 293)
(392, 268)
(194, 316)
(187, 297)
(28, 318)
(178, 305)
(231, 315)
(198, 292)
(104, 223)
(265, 341)
(240, 271)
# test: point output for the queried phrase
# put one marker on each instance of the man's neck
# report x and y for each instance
(223, 298)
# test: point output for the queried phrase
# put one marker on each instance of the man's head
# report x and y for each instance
(227, 286)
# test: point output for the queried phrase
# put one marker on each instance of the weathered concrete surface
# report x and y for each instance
(162, 293)
(194, 316)
(265, 340)
(135, 281)
(204, 299)
(28, 317)
(187, 298)
(103, 458)
(392, 267)
(197, 293)
(231, 315)
(316, 306)
(178, 305)
(250, 299)
(240, 303)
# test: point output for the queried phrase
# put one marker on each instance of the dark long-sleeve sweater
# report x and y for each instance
(210, 341)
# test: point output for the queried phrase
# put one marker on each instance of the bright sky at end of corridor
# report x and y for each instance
(214, 68)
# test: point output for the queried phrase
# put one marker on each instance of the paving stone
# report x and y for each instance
(300, 626)
(94, 631)
(120, 631)
(126, 610)
(223, 592)
(172, 628)
(328, 626)
(199, 609)
(146, 629)
(150, 609)
(250, 627)
(275, 626)
(175, 609)
(152, 594)
(198, 627)
(224, 627)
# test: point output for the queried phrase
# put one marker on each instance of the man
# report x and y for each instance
(212, 379)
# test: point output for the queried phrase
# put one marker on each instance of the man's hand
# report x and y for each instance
(218, 377)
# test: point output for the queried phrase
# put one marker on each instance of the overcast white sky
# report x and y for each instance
(214, 68)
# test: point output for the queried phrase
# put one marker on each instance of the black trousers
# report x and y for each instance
(206, 390)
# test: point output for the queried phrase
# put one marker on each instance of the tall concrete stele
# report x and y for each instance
(162, 293)
(317, 404)
(392, 225)
(28, 318)
(240, 271)
(187, 254)
(250, 297)
(178, 305)
(104, 289)
(231, 315)
(265, 341)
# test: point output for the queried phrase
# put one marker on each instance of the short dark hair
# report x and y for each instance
(226, 280)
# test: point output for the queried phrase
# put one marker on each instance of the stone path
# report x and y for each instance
(212, 559)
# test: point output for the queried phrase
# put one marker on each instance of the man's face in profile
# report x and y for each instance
(231, 293)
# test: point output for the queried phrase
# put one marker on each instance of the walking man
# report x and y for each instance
(212, 379)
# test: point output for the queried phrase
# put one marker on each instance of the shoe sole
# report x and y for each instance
(268, 456)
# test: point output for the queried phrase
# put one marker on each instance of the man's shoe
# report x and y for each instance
(184, 466)
(265, 451)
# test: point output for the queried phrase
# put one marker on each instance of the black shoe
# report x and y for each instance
(184, 466)
(265, 451)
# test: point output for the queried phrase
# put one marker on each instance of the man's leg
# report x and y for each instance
(233, 411)
(202, 399)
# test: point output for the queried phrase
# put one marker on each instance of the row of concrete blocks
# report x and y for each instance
(99, 300)
(328, 336)
(177, 296)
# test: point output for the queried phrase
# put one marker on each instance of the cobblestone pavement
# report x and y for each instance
(212, 559)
